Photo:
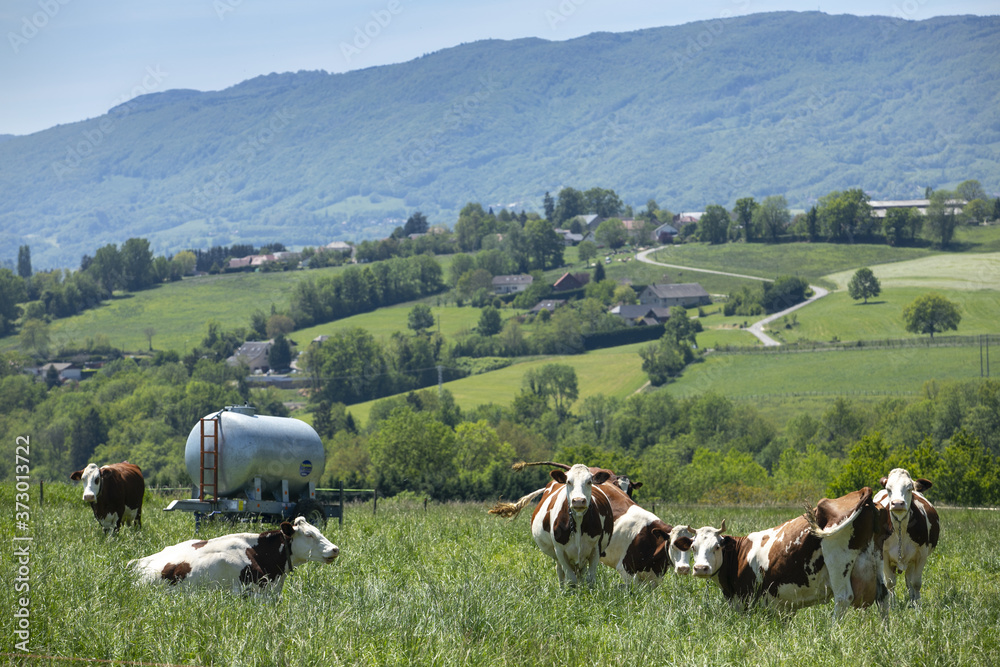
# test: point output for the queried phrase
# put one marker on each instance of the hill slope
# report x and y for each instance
(792, 103)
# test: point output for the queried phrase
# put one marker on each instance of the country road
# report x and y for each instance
(757, 328)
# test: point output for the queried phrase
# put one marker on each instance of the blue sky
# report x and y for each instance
(66, 60)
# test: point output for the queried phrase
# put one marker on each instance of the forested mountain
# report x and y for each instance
(798, 104)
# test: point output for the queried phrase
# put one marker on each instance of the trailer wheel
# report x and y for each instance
(312, 511)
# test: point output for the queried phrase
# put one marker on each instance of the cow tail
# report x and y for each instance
(814, 528)
(511, 510)
(521, 465)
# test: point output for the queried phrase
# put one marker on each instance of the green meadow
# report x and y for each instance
(450, 585)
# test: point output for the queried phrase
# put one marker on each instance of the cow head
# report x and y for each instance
(707, 550)
(579, 483)
(91, 476)
(627, 485)
(308, 544)
(681, 538)
(900, 487)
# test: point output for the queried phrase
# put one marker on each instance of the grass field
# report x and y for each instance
(453, 586)
(615, 371)
(836, 372)
(383, 322)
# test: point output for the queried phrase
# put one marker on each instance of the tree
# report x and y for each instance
(969, 190)
(185, 261)
(12, 292)
(279, 324)
(34, 338)
(412, 450)
(772, 217)
(611, 233)
(605, 203)
(845, 216)
(415, 224)
(461, 263)
(864, 285)
(149, 332)
(279, 357)
(137, 264)
(571, 203)
(977, 210)
(555, 381)
(24, 261)
(106, 267)
(549, 206)
(812, 224)
(713, 227)
(743, 210)
(586, 251)
(544, 246)
(941, 218)
(598, 273)
(930, 314)
(901, 225)
(489, 322)
(420, 318)
(625, 294)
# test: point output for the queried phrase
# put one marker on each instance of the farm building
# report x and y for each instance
(512, 284)
(642, 315)
(254, 355)
(569, 281)
(682, 294)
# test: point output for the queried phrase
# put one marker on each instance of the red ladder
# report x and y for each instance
(208, 479)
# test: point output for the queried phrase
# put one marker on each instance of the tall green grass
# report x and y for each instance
(453, 586)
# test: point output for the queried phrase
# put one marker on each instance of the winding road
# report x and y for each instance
(757, 328)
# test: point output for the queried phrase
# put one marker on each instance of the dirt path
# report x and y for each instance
(757, 328)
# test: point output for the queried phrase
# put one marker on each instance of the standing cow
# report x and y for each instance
(621, 481)
(572, 522)
(834, 550)
(916, 529)
(114, 492)
(249, 563)
(641, 546)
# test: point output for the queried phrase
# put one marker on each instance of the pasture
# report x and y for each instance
(453, 586)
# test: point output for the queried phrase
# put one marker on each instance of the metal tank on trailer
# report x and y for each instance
(251, 446)
(255, 466)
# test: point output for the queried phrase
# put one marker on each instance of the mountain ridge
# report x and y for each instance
(787, 103)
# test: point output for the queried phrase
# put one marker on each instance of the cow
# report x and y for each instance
(621, 481)
(681, 558)
(640, 549)
(572, 522)
(245, 563)
(916, 529)
(114, 492)
(833, 550)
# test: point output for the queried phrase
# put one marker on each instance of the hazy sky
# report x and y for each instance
(66, 60)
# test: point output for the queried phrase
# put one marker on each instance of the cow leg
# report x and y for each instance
(914, 577)
(592, 571)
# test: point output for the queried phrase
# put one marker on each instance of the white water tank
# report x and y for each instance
(252, 445)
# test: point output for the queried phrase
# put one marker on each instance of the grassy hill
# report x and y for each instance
(798, 104)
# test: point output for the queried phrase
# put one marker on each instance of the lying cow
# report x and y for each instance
(916, 529)
(621, 481)
(833, 551)
(114, 492)
(243, 562)
(641, 546)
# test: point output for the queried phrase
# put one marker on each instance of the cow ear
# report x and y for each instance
(559, 476)
(883, 481)
(683, 543)
(287, 529)
(636, 485)
(76, 476)
(601, 477)
(921, 484)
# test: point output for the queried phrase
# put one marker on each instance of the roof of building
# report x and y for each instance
(678, 290)
(517, 279)
(547, 304)
(254, 353)
(631, 311)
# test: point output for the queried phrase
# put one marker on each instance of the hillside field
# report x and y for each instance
(454, 586)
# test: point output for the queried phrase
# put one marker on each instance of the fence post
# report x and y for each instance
(341, 520)
(375, 502)
(425, 505)
(41, 492)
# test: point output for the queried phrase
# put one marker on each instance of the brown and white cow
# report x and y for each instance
(573, 522)
(641, 548)
(834, 550)
(681, 558)
(621, 481)
(114, 492)
(916, 529)
(248, 563)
